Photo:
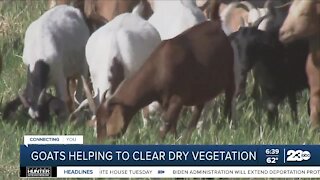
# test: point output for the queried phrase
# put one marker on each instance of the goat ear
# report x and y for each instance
(116, 121)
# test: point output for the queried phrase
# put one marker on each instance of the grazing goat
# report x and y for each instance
(54, 51)
(117, 50)
(302, 22)
(278, 69)
(171, 18)
(188, 70)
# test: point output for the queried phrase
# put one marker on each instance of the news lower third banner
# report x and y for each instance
(68, 157)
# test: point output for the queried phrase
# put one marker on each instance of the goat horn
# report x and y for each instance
(81, 105)
(41, 97)
(91, 103)
(23, 100)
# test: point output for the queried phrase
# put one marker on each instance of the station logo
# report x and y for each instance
(298, 155)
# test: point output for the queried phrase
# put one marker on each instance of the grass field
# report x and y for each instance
(15, 16)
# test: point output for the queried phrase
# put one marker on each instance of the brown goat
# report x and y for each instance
(303, 22)
(188, 70)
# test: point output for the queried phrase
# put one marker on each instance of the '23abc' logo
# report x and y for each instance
(298, 155)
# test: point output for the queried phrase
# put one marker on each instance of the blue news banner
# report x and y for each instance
(166, 155)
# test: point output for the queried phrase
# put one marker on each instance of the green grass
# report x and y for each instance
(15, 16)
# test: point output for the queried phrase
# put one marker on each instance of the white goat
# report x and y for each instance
(173, 17)
(54, 50)
(116, 51)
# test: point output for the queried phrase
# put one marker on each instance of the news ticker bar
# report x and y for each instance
(169, 155)
(172, 172)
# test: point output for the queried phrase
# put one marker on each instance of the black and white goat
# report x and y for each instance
(54, 51)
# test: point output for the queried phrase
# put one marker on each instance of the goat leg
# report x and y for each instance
(313, 73)
(150, 111)
(255, 92)
(293, 105)
(196, 112)
(315, 111)
(71, 88)
(272, 108)
(145, 116)
(62, 92)
(230, 104)
(170, 118)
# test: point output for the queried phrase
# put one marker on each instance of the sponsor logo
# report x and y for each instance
(38, 172)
